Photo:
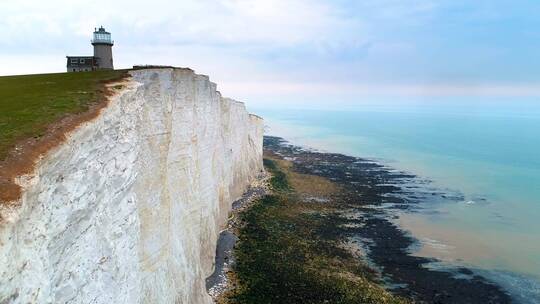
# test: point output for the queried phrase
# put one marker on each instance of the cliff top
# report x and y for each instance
(37, 110)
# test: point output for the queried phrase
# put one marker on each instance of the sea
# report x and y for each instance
(485, 154)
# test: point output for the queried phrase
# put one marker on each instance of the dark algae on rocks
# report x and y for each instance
(295, 245)
(291, 247)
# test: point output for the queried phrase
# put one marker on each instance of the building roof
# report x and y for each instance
(83, 57)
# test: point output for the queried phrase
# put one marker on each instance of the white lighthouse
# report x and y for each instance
(103, 44)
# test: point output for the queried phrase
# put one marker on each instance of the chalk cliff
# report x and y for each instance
(129, 208)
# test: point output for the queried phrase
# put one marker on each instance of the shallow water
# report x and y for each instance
(486, 155)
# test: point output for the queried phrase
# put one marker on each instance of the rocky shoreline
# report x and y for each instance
(369, 190)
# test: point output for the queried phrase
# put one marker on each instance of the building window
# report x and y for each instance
(73, 60)
(81, 61)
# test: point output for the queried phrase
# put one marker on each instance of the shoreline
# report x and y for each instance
(368, 185)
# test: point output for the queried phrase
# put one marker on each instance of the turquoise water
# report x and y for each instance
(488, 152)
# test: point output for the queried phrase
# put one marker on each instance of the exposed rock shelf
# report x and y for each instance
(129, 208)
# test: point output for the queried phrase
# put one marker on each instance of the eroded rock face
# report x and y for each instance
(128, 210)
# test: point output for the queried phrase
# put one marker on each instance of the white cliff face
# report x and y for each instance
(129, 209)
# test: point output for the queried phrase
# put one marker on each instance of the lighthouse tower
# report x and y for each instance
(103, 49)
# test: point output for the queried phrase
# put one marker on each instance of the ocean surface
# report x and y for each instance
(485, 155)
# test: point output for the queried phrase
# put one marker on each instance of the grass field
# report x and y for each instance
(29, 103)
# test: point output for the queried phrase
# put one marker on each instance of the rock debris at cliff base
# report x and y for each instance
(221, 280)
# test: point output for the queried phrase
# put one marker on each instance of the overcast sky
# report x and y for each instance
(270, 50)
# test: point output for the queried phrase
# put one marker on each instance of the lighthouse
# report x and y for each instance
(102, 59)
(103, 49)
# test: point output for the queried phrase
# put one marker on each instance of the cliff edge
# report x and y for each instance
(128, 209)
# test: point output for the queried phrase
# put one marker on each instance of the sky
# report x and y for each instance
(304, 51)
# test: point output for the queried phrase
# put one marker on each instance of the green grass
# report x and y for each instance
(289, 252)
(29, 103)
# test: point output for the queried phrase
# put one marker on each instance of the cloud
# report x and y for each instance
(221, 22)
(292, 46)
